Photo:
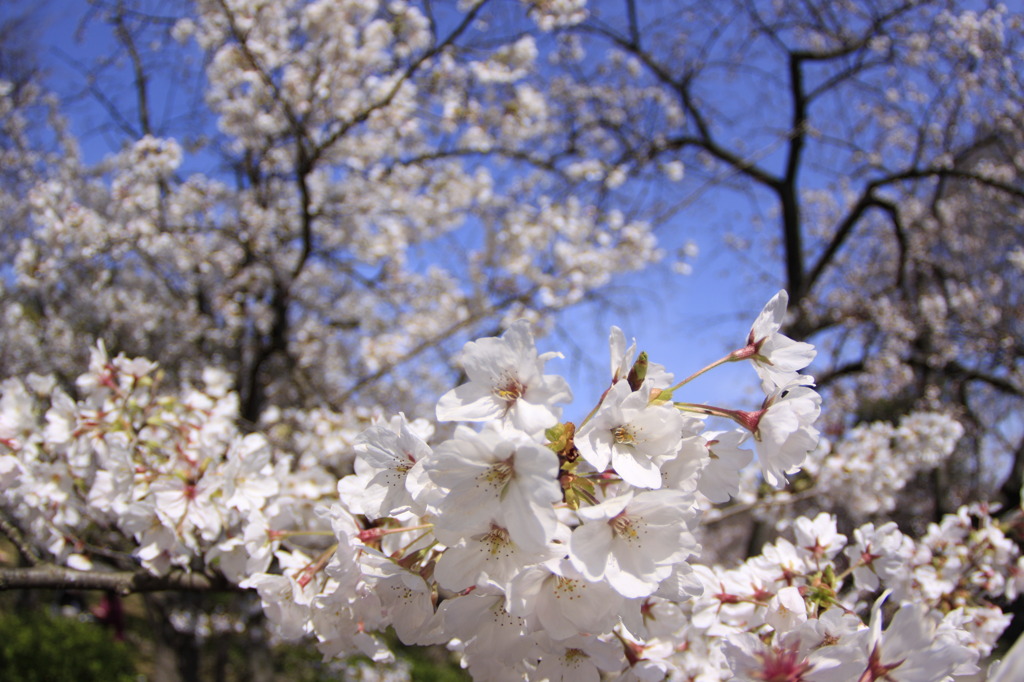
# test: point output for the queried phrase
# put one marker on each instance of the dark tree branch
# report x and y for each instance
(792, 230)
(741, 164)
(634, 26)
(139, 73)
(966, 374)
(122, 582)
(870, 199)
(125, 10)
(1010, 491)
(534, 160)
(681, 86)
(867, 201)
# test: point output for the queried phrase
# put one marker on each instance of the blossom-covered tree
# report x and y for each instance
(393, 182)
(504, 543)
(363, 188)
(870, 133)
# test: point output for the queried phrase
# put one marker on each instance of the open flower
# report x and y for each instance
(783, 428)
(489, 555)
(632, 541)
(632, 435)
(562, 601)
(499, 476)
(776, 357)
(507, 382)
(914, 647)
(388, 466)
(751, 660)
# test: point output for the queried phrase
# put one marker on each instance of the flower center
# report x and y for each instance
(499, 474)
(782, 665)
(568, 588)
(498, 539)
(623, 527)
(510, 390)
(624, 435)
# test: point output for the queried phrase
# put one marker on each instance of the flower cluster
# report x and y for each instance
(879, 459)
(534, 543)
(405, 120)
(801, 606)
(172, 478)
(534, 547)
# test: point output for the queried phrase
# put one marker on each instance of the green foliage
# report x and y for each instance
(38, 647)
(432, 664)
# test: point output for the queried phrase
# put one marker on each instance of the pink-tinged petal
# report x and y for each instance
(720, 478)
(520, 340)
(587, 606)
(552, 617)
(457, 569)
(638, 563)
(621, 357)
(596, 449)
(539, 463)
(607, 509)
(484, 360)
(549, 389)
(771, 317)
(787, 355)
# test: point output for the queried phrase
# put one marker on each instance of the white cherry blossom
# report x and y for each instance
(507, 382)
(776, 357)
(489, 556)
(632, 435)
(556, 598)
(531, 582)
(783, 429)
(388, 467)
(912, 648)
(496, 475)
(633, 540)
(720, 477)
(580, 657)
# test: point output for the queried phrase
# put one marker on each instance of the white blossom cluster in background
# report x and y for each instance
(534, 547)
(171, 472)
(552, 14)
(879, 459)
(368, 137)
